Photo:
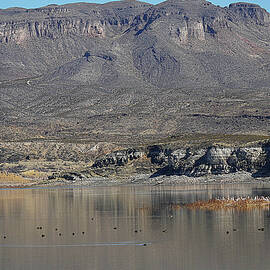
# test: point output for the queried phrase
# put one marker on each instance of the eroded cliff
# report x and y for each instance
(196, 161)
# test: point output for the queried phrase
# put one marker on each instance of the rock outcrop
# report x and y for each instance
(197, 162)
(118, 158)
(219, 160)
(84, 20)
(76, 162)
(251, 12)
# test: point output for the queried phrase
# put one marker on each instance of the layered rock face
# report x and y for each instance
(216, 160)
(85, 20)
(51, 28)
(203, 22)
(251, 12)
(198, 162)
(146, 32)
(118, 158)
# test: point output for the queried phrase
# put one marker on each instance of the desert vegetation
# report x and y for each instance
(241, 203)
(12, 178)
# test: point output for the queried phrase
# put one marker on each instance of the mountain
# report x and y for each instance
(134, 72)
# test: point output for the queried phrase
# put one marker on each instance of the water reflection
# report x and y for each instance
(131, 228)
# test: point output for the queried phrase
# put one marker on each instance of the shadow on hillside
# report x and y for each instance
(264, 172)
(165, 171)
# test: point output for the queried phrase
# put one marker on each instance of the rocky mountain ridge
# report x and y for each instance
(136, 28)
(93, 20)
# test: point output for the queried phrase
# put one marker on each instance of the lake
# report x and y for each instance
(131, 227)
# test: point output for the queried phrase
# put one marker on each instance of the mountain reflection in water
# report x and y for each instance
(131, 228)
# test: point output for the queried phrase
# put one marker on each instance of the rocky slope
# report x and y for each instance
(78, 162)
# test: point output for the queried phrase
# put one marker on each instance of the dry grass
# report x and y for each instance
(12, 178)
(34, 174)
(231, 203)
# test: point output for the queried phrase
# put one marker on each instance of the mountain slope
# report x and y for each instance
(134, 70)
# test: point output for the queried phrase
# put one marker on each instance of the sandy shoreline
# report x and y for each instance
(236, 178)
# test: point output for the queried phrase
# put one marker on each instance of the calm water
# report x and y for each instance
(106, 228)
